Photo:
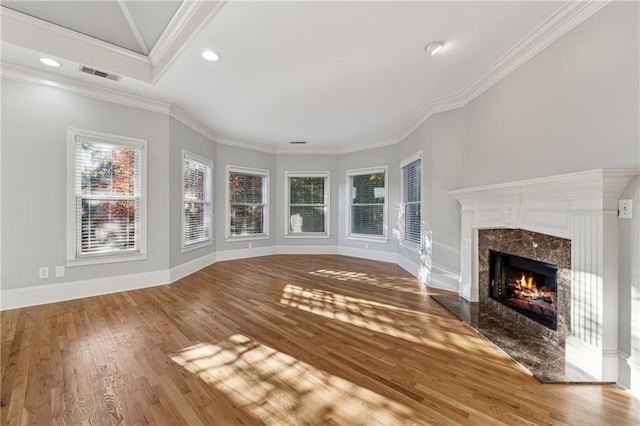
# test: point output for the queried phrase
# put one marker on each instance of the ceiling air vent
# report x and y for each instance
(98, 73)
(298, 142)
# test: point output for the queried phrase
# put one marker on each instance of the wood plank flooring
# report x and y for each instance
(300, 340)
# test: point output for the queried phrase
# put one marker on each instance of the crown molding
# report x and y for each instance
(558, 24)
(40, 78)
(188, 21)
(239, 143)
(42, 36)
(187, 119)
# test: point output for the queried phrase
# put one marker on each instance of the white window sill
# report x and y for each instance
(370, 239)
(303, 235)
(196, 246)
(246, 238)
(98, 260)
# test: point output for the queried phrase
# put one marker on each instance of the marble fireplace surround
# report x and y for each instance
(580, 207)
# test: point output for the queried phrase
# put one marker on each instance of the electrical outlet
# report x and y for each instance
(43, 272)
(250, 245)
(366, 246)
(625, 209)
(59, 271)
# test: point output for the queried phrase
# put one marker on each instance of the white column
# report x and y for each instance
(593, 340)
(469, 257)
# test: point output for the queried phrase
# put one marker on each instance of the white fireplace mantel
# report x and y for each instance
(581, 207)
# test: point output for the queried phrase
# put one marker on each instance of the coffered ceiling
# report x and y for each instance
(341, 76)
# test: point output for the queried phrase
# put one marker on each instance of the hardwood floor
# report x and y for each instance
(276, 340)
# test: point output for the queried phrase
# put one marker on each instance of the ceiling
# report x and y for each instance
(338, 75)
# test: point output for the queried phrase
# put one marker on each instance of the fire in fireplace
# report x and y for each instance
(524, 285)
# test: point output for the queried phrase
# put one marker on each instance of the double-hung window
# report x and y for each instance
(106, 217)
(247, 203)
(411, 182)
(367, 201)
(307, 204)
(196, 195)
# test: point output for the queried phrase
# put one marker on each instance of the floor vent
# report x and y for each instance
(98, 73)
(298, 142)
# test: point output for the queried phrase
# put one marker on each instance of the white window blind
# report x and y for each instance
(308, 204)
(367, 203)
(108, 196)
(247, 193)
(197, 200)
(411, 195)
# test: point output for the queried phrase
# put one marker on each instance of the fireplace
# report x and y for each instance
(525, 285)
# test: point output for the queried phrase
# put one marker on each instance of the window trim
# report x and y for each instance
(403, 242)
(384, 238)
(327, 204)
(265, 190)
(187, 155)
(74, 136)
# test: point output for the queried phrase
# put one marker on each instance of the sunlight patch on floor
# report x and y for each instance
(378, 317)
(280, 389)
(385, 282)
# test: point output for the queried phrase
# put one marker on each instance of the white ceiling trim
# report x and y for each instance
(42, 36)
(564, 20)
(248, 145)
(42, 78)
(188, 21)
(134, 27)
(184, 117)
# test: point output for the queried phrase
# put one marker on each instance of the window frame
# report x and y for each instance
(410, 245)
(73, 258)
(187, 155)
(327, 204)
(384, 238)
(265, 212)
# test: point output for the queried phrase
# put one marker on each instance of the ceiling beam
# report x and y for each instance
(134, 28)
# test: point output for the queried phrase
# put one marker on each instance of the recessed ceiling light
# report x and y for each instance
(210, 55)
(434, 47)
(50, 62)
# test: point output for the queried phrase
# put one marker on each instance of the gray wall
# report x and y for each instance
(183, 137)
(34, 147)
(572, 107)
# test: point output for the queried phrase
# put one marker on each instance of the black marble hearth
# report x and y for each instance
(544, 359)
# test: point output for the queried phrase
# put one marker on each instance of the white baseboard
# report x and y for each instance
(444, 278)
(42, 294)
(190, 267)
(600, 363)
(629, 374)
(245, 253)
(379, 255)
(38, 295)
(306, 250)
(409, 266)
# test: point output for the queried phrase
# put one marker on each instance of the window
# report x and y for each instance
(247, 191)
(307, 204)
(411, 196)
(367, 203)
(106, 205)
(196, 194)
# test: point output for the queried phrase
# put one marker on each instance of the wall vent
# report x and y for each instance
(298, 142)
(98, 73)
